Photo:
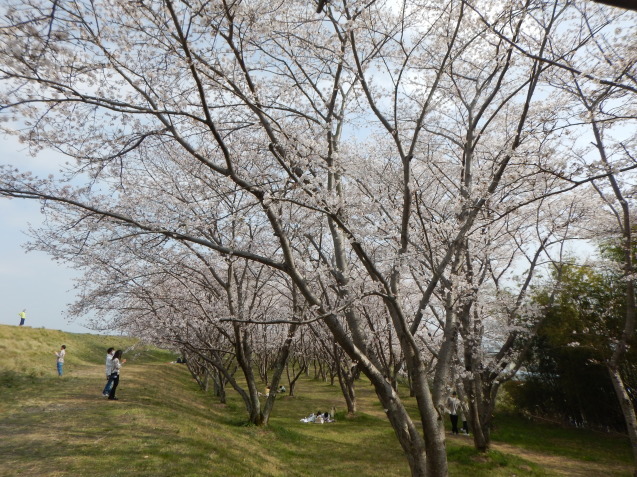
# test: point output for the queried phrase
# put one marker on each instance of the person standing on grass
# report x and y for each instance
(60, 361)
(464, 412)
(453, 406)
(109, 379)
(116, 365)
(23, 316)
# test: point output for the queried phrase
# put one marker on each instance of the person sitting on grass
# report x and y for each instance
(318, 418)
(310, 418)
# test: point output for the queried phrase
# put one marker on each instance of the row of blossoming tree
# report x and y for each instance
(383, 179)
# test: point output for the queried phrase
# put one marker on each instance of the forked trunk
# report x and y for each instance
(425, 459)
(277, 372)
(481, 430)
(432, 420)
(349, 392)
(408, 435)
(346, 381)
(480, 413)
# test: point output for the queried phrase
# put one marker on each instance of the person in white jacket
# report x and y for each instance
(116, 365)
(454, 408)
(60, 361)
(109, 381)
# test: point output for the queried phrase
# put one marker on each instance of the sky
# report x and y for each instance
(31, 280)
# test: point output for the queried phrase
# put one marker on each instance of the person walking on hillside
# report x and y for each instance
(453, 406)
(116, 365)
(60, 361)
(23, 316)
(109, 380)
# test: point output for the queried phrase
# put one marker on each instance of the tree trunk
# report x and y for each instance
(243, 352)
(219, 386)
(408, 435)
(410, 384)
(345, 380)
(627, 409)
(292, 379)
(479, 429)
(431, 416)
(279, 367)
(410, 439)
(481, 405)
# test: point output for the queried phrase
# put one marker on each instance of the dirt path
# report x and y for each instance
(554, 464)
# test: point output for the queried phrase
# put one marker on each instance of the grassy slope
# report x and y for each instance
(30, 351)
(164, 426)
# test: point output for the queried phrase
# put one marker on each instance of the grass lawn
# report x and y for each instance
(586, 445)
(163, 425)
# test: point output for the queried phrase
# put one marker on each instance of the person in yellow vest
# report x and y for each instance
(23, 316)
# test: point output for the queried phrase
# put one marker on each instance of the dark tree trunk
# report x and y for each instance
(345, 379)
(294, 376)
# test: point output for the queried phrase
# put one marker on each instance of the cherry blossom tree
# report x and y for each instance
(616, 151)
(178, 294)
(330, 359)
(489, 306)
(606, 114)
(321, 149)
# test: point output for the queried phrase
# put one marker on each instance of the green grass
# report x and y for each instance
(30, 351)
(163, 425)
(583, 444)
(465, 459)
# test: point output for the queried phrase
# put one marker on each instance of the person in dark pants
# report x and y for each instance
(109, 381)
(116, 365)
(453, 406)
(23, 316)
